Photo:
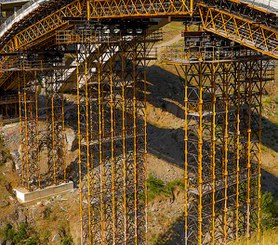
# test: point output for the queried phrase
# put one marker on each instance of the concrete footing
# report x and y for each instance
(25, 196)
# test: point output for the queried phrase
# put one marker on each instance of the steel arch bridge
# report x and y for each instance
(100, 49)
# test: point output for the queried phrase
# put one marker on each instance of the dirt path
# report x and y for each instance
(170, 42)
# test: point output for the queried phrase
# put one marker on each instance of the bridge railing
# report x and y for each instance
(17, 16)
(181, 54)
(93, 36)
(31, 65)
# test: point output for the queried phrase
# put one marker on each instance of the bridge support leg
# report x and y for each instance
(36, 135)
(28, 115)
(111, 100)
(55, 128)
(223, 126)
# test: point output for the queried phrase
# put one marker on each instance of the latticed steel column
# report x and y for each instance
(28, 117)
(254, 75)
(223, 90)
(54, 140)
(112, 137)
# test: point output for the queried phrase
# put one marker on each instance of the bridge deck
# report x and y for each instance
(15, 36)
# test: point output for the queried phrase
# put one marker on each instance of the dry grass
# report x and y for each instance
(171, 30)
(269, 237)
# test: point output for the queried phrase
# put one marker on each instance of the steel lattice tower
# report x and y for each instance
(223, 87)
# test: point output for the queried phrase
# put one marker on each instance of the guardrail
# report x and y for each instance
(18, 15)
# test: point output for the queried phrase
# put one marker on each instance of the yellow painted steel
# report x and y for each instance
(105, 9)
(200, 156)
(20, 99)
(42, 28)
(88, 163)
(238, 85)
(123, 57)
(100, 134)
(37, 128)
(249, 131)
(240, 29)
(134, 105)
(26, 159)
(225, 159)
(145, 140)
(112, 136)
(246, 32)
(186, 184)
(260, 153)
(213, 151)
(63, 138)
(79, 148)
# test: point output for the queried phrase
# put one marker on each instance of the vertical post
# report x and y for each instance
(26, 135)
(37, 128)
(134, 105)
(191, 7)
(63, 137)
(112, 134)
(53, 135)
(87, 118)
(226, 138)
(20, 131)
(260, 149)
(79, 147)
(88, 13)
(100, 133)
(145, 140)
(238, 102)
(213, 151)
(186, 185)
(249, 131)
(123, 64)
(200, 156)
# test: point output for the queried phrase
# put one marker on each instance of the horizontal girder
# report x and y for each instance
(134, 8)
(229, 25)
(248, 33)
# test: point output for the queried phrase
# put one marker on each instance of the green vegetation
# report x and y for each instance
(4, 153)
(66, 238)
(269, 223)
(269, 211)
(268, 237)
(157, 187)
(47, 212)
(24, 235)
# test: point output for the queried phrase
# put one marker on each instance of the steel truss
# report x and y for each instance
(262, 38)
(29, 135)
(42, 127)
(223, 90)
(112, 136)
(215, 19)
(55, 128)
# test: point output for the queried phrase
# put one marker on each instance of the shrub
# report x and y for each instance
(269, 205)
(67, 240)
(23, 235)
(157, 187)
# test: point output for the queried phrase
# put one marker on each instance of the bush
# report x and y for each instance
(64, 232)
(24, 235)
(157, 187)
(4, 152)
(67, 240)
(269, 205)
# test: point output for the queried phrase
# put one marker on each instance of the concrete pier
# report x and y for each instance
(25, 196)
